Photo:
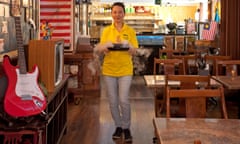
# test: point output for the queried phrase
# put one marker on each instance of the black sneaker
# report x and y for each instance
(127, 135)
(118, 133)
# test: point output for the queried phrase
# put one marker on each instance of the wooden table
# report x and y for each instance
(186, 130)
(230, 82)
(157, 81)
(154, 81)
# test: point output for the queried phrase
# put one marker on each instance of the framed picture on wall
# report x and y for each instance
(191, 29)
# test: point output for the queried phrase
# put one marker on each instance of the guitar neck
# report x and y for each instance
(21, 54)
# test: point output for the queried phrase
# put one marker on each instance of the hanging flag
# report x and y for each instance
(209, 31)
(218, 8)
(217, 11)
(217, 17)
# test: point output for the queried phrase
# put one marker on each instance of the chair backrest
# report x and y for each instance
(202, 46)
(179, 43)
(166, 53)
(211, 60)
(169, 41)
(168, 66)
(195, 90)
(203, 43)
(227, 67)
(189, 63)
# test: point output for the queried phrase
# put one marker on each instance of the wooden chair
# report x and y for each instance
(227, 67)
(190, 65)
(190, 45)
(168, 66)
(166, 53)
(194, 90)
(211, 61)
(179, 43)
(202, 46)
(169, 42)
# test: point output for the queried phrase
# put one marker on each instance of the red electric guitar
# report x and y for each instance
(23, 96)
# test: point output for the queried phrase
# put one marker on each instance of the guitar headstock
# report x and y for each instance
(15, 6)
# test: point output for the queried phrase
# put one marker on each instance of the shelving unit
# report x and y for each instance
(141, 22)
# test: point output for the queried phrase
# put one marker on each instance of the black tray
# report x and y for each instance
(118, 47)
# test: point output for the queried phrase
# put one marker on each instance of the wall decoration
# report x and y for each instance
(25, 3)
(2, 10)
(4, 27)
(60, 15)
(4, 1)
(30, 3)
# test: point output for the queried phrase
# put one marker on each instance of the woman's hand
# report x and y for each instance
(103, 48)
(132, 51)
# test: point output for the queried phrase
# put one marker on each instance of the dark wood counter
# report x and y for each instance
(86, 81)
(44, 129)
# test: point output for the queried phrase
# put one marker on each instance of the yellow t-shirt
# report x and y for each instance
(118, 63)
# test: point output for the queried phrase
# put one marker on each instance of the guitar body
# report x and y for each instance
(23, 96)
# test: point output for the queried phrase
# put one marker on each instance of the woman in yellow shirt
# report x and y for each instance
(117, 69)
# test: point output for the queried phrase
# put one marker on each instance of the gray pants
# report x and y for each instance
(118, 95)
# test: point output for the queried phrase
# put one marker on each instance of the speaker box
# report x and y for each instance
(48, 55)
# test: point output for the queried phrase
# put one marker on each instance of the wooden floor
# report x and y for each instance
(90, 121)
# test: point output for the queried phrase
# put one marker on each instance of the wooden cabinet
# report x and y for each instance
(48, 56)
(57, 110)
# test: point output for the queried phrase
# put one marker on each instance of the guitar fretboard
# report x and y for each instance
(21, 54)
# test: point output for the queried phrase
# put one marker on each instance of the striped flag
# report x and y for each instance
(209, 31)
(58, 13)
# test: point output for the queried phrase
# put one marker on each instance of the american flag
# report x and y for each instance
(209, 31)
(58, 13)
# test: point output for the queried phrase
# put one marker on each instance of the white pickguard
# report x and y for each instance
(27, 85)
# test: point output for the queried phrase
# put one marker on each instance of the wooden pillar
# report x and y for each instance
(230, 28)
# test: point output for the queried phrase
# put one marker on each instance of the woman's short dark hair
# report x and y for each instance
(118, 4)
